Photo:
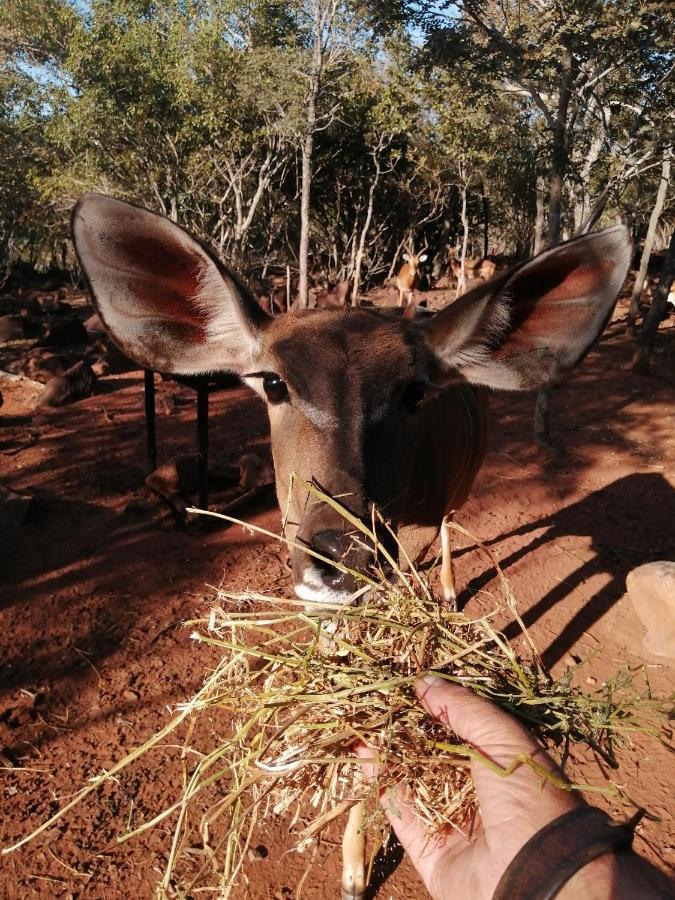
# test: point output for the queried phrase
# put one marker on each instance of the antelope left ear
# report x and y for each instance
(523, 330)
(406, 257)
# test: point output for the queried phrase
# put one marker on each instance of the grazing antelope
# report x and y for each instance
(335, 298)
(409, 274)
(475, 268)
(376, 408)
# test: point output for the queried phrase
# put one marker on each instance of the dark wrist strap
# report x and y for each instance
(552, 856)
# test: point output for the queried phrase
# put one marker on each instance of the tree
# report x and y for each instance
(661, 193)
(641, 363)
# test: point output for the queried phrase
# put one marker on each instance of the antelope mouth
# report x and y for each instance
(314, 589)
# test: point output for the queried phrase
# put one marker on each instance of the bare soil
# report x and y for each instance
(96, 583)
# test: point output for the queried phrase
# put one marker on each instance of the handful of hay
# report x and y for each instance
(305, 688)
(299, 690)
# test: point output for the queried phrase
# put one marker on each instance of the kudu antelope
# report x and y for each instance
(409, 274)
(376, 408)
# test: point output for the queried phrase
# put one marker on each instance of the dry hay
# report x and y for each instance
(302, 689)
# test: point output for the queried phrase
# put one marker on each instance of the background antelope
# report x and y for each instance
(408, 276)
(475, 268)
(378, 409)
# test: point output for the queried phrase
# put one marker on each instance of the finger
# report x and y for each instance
(368, 757)
(474, 719)
(501, 739)
(425, 851)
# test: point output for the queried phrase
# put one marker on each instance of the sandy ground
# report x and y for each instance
(95, 588)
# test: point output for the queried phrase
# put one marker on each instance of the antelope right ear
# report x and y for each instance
(532, 324)
(166, 302)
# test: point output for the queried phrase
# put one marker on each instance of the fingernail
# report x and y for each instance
(433, 680)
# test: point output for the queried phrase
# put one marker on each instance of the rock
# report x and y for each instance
(61, 334)
(651, 589)
(42, 365)
(130, 696)
(13, 510)
(101, 367)
(75, 384)
(94, 326)
(11, 328)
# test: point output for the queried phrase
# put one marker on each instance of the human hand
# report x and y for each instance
(512, 808)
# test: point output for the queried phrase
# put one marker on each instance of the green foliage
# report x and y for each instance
(197, 108)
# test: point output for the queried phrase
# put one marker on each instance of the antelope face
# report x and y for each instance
(414, 261)
(333, 382)
(353, 396)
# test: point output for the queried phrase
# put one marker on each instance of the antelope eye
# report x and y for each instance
(275, 388)
(413, 395)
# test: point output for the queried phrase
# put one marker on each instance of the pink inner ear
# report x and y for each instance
(164, 275)
(552, 304)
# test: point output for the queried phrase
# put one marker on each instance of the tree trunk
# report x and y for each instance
(486, 221)
(642, 359)
(539, 241)
(649, 241)
(560, 151)
(461, 281)
(307, 148)
(366, 225)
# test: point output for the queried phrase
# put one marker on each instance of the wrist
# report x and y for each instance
(621, 875)
(597, 880)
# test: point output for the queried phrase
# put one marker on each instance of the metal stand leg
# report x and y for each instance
(203, 439)
(150, 419)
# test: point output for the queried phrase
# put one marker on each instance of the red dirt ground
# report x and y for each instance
(95, 589)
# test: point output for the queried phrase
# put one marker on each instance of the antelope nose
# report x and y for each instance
(331, 544)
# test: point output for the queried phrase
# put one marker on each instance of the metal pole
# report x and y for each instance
(203, 439)
(150, 419)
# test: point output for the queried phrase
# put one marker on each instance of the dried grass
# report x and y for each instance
(303, 688)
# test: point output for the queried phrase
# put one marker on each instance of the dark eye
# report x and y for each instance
(275, 388)
(413, 395)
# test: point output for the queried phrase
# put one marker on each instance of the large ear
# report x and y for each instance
(525, 328)
(166, 302)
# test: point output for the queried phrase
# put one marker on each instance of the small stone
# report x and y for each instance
(570, 661)
(651, 589)
(130, 696)
(591, 680)
(259, 852)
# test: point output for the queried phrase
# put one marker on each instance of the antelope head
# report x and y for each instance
(355, 397)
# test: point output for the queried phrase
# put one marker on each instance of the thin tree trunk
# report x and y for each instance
(649, 241)
(307, 148)
(364, 231)
(597, 210)
(560, 151)
(539, 241)
(642, 359)
(486, 220)
(461, 281)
